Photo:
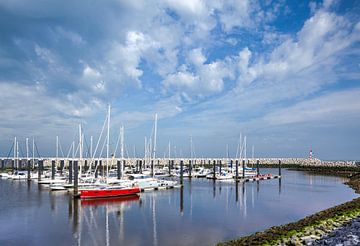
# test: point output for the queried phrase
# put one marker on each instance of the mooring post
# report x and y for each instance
(2, 164)
(28, 170)
(12, 166)
(181, 199)
(236, 191)
(76, 180)
(86, 165)
(96, 169)
(118, 166)
(169, 166)
(243, 169)
(152, 168)
(220, 166)
(53, 169)
(257, 167)
(279, 167)
(190, 168)
(214, 169)
(123, 168)
(237, 170)
(231, 165)
(181, 171)
(62, 164)
(39, 169)
(140, 165)
(70, 171)
(101, 171)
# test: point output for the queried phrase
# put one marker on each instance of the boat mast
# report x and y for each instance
(33, 152)
(145, 151)
(15, 152)
(240, 147)
(91, 147)
(191, 148)
(80, 149)
(27, 148)
(245, 148)
(122, 149)
(57, 149)
(169, 150)
(252, 152)
(73, 150)
(155, 132)
(108, 144)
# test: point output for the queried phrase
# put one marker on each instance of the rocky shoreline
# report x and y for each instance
(339, 225)
(348, 234)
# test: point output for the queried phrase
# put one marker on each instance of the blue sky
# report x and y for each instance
(284, 73)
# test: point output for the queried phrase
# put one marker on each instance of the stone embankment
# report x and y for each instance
(339, 225)
(349, 234)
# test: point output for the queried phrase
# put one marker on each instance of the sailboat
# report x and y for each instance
(108, 190)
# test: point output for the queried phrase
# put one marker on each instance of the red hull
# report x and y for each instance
(110, 200)
(101, 193)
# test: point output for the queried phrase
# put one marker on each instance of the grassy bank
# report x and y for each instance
(313, 226)
(315, 169)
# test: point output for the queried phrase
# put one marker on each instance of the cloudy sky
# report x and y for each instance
(284, 73)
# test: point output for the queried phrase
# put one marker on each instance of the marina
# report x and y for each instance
(202, 211)
(180, 123)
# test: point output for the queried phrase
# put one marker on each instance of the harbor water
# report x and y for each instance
(203, 212)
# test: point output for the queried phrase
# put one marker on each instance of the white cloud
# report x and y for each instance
(206, 77)
(329, 108)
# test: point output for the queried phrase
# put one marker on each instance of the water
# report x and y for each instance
(202, 213)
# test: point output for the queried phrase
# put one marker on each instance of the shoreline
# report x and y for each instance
(313, 227)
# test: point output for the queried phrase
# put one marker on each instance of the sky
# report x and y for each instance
(285, 74)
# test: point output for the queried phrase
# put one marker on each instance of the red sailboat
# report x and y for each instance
(108, 191)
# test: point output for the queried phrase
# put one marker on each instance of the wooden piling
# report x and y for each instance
(152, 168)
(12, 166)
(214, 169)
(96, 169)
(169, 166)
(28, 170)
(243, 169)
(237, 170)
(181, 171)
(101, 171)
(118, 166)
(70, 171)
(257, 167)
(40, 166)
(220, 166)
(62, 164)
(53, 169)
(190, 168)
(279, 167)
(181, 199)
(76, 178)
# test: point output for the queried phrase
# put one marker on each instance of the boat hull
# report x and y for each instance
(101, 193)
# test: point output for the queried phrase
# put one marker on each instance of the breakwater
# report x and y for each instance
(286, 162)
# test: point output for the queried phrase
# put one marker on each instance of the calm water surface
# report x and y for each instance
(202, 213)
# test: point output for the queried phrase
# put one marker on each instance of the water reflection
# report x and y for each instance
(202, 212)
